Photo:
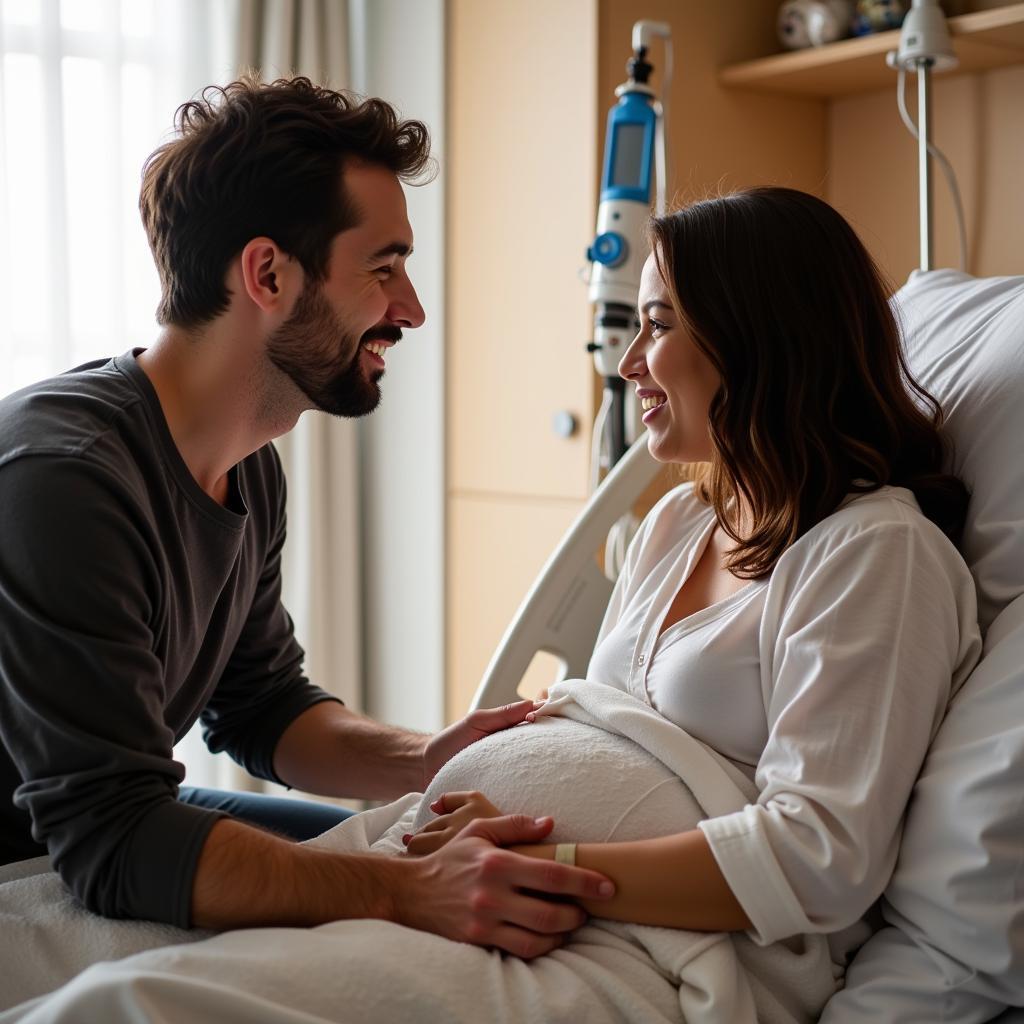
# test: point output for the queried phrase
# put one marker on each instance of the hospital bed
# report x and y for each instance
(953, 947)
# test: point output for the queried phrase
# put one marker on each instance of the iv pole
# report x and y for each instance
(925, 45)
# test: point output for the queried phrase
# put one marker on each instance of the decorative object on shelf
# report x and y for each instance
(803, 23)
(987, 39)
(878, 16)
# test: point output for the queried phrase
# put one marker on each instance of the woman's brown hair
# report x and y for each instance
(253, 159)
(816, 400)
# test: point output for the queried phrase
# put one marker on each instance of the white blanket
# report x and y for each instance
(606, 767)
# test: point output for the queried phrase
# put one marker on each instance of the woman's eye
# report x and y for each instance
(656, 325)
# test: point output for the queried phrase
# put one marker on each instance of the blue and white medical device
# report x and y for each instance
(632, 182)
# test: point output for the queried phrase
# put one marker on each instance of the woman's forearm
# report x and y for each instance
(672, 881)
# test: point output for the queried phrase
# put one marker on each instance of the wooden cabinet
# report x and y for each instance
(521, 188)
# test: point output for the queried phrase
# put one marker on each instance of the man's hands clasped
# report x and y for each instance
(472, 890)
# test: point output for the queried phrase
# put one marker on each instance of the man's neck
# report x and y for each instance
(215, 394)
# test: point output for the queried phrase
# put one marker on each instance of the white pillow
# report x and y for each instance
(956, 898)
(965, 344)
(955, 904)
(958, 886)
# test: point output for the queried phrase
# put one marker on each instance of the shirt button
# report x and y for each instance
(641, 659)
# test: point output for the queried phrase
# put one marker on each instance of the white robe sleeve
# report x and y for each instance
(869, 627)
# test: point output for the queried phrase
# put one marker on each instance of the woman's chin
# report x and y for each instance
(656, 446)
(670, 452)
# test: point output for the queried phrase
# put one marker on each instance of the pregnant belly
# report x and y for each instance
(598, 786)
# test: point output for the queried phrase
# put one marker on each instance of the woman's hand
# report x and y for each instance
(455, 811)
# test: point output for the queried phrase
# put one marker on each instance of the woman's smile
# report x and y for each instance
(651, 402)
(665, 353)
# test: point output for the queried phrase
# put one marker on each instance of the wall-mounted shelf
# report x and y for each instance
(983, 40)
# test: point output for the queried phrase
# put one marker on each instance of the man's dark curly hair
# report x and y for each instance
(257, 159)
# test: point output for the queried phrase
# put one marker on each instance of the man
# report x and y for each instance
(141, 538)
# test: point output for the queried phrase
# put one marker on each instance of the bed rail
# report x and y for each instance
(562, 611)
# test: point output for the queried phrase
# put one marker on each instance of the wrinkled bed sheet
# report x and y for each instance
(603, 764)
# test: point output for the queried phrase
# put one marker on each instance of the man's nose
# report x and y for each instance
(405, 309)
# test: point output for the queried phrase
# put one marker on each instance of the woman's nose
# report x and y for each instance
(633, 363)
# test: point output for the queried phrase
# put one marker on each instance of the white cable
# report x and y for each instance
(597, 440)
(660, 149)
(659, 159)
(947, 168)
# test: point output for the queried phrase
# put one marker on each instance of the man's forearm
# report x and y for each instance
(332, 751)
(470, 891)
(248, 878)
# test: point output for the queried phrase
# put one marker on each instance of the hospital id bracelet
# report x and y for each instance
(565, 853)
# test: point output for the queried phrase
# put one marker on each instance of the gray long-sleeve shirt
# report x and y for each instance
(131, 603)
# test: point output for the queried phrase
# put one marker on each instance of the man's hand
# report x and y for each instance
(455, 811)
(474, 891)
(443, 746)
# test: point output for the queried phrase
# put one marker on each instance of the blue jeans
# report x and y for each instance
(296, 819)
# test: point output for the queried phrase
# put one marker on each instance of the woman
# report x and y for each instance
(801, 607)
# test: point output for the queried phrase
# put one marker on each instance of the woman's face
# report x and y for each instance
(674, 380)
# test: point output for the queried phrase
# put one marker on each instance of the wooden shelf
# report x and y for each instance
(982, 41)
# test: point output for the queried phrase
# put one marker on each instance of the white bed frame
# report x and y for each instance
(562, 611)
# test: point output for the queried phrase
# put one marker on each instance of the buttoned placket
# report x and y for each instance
(638, 670)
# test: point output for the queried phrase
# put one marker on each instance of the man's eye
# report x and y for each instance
(385, 271)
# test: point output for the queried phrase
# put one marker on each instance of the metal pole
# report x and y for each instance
(924, 87)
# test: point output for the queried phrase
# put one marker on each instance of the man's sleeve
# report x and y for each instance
(82, 692)
(262, 689)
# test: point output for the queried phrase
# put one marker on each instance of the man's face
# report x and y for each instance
(333, 344)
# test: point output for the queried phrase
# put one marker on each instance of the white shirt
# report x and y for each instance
(826, 682)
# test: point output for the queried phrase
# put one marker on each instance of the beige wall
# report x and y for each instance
(873, 175)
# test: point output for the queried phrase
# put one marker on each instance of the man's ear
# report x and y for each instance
(270, 276)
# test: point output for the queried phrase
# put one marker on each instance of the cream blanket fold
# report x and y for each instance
(606, 767)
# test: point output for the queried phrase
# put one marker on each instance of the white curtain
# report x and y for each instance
(88, 88)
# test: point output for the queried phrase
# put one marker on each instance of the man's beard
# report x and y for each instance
(315, 350)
